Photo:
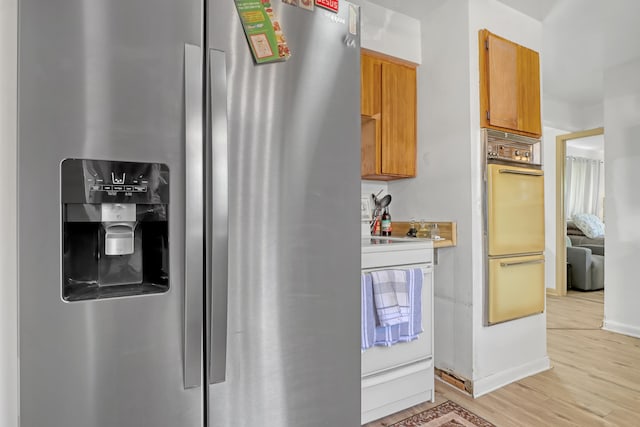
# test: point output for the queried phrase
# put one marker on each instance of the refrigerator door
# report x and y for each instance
(516, 287)
(103, 80)
(292, 346)
(515, 210)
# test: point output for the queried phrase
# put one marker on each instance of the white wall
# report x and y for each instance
(386, 31)
(592, 116)
(375, 187)
(622, 204)
(574, 118)
(442, 190)
(8, 245)
(507, 352)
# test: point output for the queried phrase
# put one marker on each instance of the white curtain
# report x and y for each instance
(583, 191)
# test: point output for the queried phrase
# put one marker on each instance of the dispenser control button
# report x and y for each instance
(140, 188)
(106, 188)
(96, 188)
(118, 188)
(128, 188)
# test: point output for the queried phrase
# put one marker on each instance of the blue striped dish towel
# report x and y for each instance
(409, 298)
(368, 322)
(389, 289)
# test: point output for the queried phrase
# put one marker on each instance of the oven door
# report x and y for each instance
(516, 287)
(515, 210)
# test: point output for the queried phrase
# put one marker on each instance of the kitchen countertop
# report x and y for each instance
(447, 230)
(381, 244)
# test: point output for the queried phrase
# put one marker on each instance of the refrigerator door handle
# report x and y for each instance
(218, 219)
(194, 221)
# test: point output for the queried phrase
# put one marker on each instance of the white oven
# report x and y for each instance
(402, 375)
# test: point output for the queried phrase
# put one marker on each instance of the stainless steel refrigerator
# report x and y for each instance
(189, 246)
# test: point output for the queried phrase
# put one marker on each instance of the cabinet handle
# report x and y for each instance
(511, 264)
(519, 172)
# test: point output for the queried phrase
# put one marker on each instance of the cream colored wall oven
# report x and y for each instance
(514, 227)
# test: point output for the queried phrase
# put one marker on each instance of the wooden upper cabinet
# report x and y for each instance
(398, 118)
(509, 86)
(388, 108)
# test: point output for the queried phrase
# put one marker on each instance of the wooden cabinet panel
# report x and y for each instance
(370, 73)
(388, 108)
(529, 91)
(370, 147)
(509, 86)
(398, 118)
(503, 84)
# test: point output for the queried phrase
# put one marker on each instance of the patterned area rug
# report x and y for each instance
(447, 414)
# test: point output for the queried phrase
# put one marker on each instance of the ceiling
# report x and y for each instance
(582, 38)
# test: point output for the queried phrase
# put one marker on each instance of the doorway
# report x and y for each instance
(561, 220)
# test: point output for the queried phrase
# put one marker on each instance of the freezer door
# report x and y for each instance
(516, 287)
(290, 356)
(106, 80)
(515, 210)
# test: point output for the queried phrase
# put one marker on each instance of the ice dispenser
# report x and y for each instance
(114, 228)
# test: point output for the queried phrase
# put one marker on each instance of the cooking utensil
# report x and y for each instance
(384, 202)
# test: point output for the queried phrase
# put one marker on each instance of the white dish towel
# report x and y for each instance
(408, 296)
(389, 294)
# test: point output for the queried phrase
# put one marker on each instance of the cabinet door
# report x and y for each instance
(516, 288)
(509, 86)
(503, 83)
(515, 210)
(398, 119)
(369, 85)
(529, 91)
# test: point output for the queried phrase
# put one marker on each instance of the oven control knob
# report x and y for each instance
(517, 152)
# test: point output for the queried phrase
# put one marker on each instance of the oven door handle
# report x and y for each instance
(519, 172)
(511, 264)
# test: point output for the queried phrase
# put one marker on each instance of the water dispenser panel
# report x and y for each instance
(115, 229)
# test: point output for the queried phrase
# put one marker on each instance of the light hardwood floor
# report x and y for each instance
(594, 380)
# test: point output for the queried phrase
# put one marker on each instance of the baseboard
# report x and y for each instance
(552, 291)
(501, 379)
(621, 328)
